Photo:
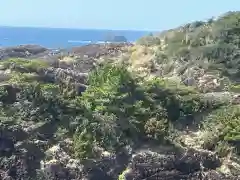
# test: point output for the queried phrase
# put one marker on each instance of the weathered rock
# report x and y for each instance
(11, 95)
(192, 164)
(5, 75)
(61, 165)
(98, 50)
(80, 88)
(21, 51)
(63, 75)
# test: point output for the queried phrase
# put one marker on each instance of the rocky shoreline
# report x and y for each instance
(36, 51)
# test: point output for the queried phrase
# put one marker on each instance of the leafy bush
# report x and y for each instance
(109, 107)
(120, 108)
(156, 129)
(225, 124)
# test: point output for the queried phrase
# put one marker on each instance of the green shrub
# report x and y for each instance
(235, 88)
(156, 129)
(82, 144)
(119, 109)
(22, 78)
(223, 149)
(225, 124)
(31, 65)
(110, 108)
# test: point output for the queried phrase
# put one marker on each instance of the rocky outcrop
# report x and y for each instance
(11, 93)
(191, 164)
(98, 50)
(22, 51)
(57, 75)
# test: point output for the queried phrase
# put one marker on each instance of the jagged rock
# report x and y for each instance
(5, 75)
(63, 75)
(80, 88)
(236, 99)
(4, 176)
(53, 169)
(98, 50)
(191, 164)
(61, 165)
(16, 165)
(11, 95)
(18, 68)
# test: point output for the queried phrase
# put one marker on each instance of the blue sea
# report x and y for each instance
(60, 38)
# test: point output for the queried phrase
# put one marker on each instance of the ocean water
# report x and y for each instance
(60, 38)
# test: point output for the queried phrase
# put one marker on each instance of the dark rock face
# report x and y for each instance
(98, 50)
(190, 165)
(13, 162)
(21, 154)
(22, 51)
(11, 95)
(6, 145)
(80, 88)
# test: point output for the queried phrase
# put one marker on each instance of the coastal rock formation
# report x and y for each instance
(191, 164)
(22, 51)
(98, 50)
(166, 108)
(22, 158)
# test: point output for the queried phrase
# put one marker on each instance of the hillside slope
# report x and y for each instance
(164, 108)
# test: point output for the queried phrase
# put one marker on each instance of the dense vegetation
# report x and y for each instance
(121, 107)
(213, 44)
(117, 109)
(213, 47)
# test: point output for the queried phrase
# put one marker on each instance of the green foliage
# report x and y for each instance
(191, 104)
(232, 130)
(156, 129)
(149, 40)
(111, 110)
(83, 144)
(122, 175)
(225, 124)
(119, 109)
(22, 77)
(223, 148)
(3, 91)
(216, 41)
(235, 88)
(31, 65)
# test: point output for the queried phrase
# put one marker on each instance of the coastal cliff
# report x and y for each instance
(165, 107)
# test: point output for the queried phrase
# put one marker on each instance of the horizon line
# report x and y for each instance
(72, 28)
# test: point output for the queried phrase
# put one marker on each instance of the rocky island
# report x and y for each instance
(164, 108)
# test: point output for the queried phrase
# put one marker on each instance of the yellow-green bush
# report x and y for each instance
(22, 77)
(235, 88)
(29, 64)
